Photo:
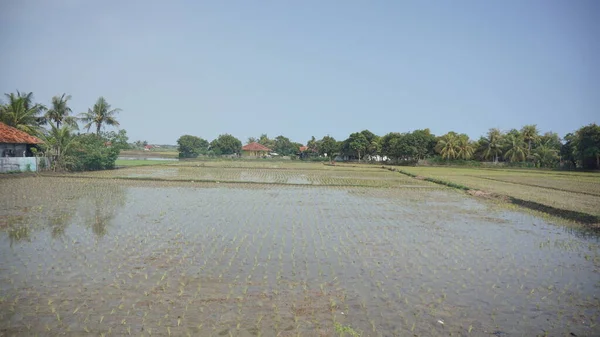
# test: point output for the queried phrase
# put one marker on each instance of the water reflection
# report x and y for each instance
(584, 232)
(100, 206)
(17, 234)
(58, 223)
(90, 205)
(104, 211)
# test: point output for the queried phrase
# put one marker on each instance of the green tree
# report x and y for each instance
(100, 115)
(284, 146)
(226, 144)
(465, 147)
(568, 150)
(552, 140)
(118, 140)
(358, 143)
(252, 140)
(545, 154)
(530, 134)
(588, 146)
(328, 147)
(22, 113)
(491, 145)
(447, 146)
(424, 143)
(266, 141)
(90, 152)
(60, 111)
(191, 146)
(372, 148)
(57, 145)
(388, 145)
(516, 148)
(313, 145)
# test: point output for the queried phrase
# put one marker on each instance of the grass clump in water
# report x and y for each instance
(342, 330)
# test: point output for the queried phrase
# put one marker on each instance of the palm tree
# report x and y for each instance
(59, 112)
(374, 148)
(492, 144)
(546, 155)
(20, 112)
(100, 115)
(530, 134)
(447, 146)
(58, 141)
(465, 147)
(516, 148)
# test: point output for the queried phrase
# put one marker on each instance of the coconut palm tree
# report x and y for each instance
(447, 146)
(20, 112)
(465, 147)
(58, 141)
(546, 155)
(530, 135)
(516, 149)
(100, 115)
(492, 144)
(59, 111)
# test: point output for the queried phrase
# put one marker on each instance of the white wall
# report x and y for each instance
(21, 163)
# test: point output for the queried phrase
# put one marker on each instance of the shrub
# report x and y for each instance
(90, 153)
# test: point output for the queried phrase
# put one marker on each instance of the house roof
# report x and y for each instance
(11, 135)
(306, 148)
(255, 147)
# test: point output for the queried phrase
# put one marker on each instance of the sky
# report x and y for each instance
(310, 68)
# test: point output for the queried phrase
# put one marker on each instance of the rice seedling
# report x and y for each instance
(364, 252)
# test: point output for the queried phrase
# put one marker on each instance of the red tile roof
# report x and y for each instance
(305, 148)
(8, 134)
(255, 147)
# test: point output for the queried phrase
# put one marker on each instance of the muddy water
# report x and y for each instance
(79, 256)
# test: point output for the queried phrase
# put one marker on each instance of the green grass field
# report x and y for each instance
(138, 162)
(148, 154)
(572, 191)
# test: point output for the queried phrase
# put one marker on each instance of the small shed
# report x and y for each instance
(16, 143)
(255, 150)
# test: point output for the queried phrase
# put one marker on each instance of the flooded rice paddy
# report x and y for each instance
(299, 176)
(119, 257)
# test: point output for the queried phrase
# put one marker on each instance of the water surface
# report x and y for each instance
(103, 257)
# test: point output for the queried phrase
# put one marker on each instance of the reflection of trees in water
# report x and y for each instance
(94, 205)
(17, 229)
(59, 221)
(54, 204)
(19, 233)
(584, 232)
(101, 206)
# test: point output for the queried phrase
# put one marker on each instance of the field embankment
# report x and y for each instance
(571, 195)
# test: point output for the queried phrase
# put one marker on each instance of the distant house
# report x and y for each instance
(148, 147)
(306, 152)
(16, 143)
(255, 150)
(15, 150)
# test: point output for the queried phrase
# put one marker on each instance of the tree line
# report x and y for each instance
(59, 129)
(526, 147)
(192, 146)
(71, 149)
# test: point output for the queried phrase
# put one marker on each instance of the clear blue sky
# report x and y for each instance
(304, 68)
